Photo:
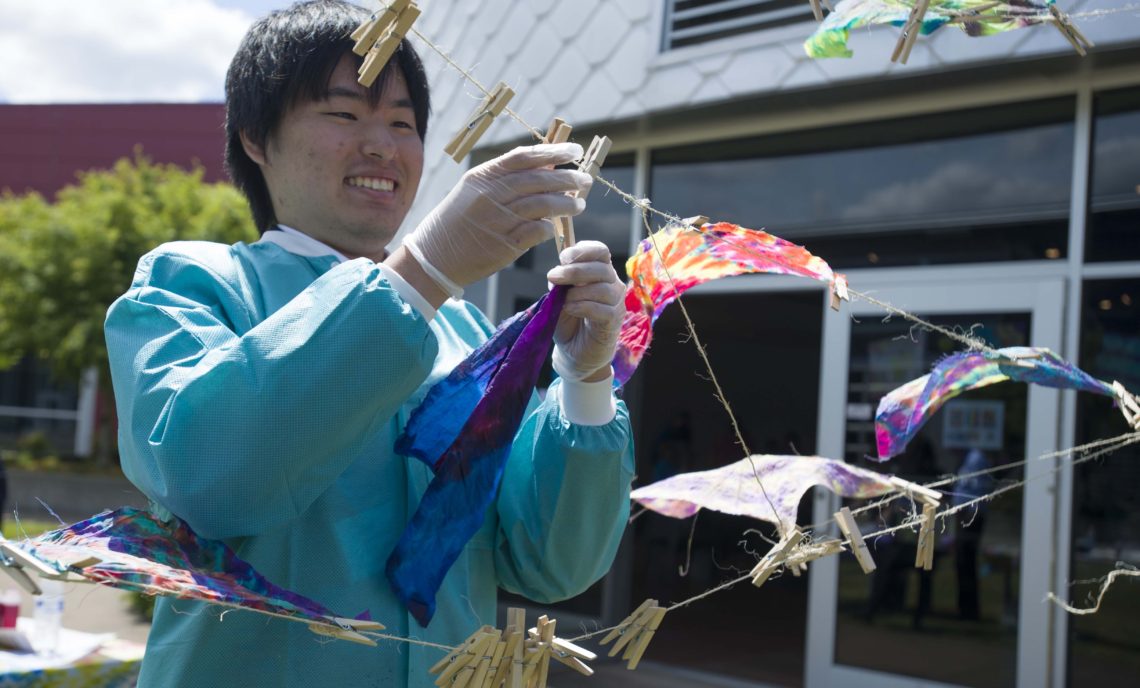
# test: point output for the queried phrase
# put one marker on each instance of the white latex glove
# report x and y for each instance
(496, 212)
(585, 337)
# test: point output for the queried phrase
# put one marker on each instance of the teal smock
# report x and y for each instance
(259, 395)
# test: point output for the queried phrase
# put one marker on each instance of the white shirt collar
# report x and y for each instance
(299, 243)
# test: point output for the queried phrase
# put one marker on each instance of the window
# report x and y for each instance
(982, 185)
(1114, 204)
(690, 22)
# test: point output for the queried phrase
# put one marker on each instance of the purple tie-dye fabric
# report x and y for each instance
(464, 430)
(137, 551)
(736, 488)
(904, 411)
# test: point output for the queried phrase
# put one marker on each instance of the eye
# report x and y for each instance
(343, 115)
(403, 124)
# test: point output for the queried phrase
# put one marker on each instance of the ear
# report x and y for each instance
(255, 152)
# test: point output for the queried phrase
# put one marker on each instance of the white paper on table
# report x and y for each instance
(72, 647)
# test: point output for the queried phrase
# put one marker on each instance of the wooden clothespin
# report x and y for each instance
(855, 541)
(1129, 406)
(916, 492)
(1070, 31)
(776, 556)
(924, 554)
(910, 32)
(17, 564)
(464, 658)
(816, 10)
(594, 158)
(635, 632)
(347, 629)
(839, 290)
(800, 557)
(930, 500)
(696, 221)
(479, 121)
(378, 38)
(559, 132)
(566, 652)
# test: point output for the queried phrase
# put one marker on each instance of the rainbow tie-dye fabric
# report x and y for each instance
(735, 488)
(830, 37)
(676, 259)
(137, 551)
(904, 411)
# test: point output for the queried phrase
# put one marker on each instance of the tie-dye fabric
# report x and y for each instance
(904, 411)
(830, 37)
(464, 430)
(735, 488)
(137, 551)
(676, 259)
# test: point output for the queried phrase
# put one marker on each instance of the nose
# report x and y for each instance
(378, 142)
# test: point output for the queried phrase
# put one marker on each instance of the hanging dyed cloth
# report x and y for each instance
(463, 430)
(735, 488)
(975, 17)
(906, 409)
(676, 259)
(133, 550)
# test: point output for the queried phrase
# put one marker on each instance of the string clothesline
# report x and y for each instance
(645, 207)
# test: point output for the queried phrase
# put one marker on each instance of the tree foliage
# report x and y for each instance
(63, 263)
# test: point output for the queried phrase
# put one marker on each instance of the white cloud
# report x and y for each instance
(117, 50)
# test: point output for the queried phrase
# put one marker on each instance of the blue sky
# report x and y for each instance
(100, 51)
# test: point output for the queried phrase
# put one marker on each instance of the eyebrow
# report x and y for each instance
(360, 95)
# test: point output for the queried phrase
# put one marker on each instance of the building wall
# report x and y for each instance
(45, 146)
(595, 62)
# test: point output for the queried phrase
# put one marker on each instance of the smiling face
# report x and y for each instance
(342, 171)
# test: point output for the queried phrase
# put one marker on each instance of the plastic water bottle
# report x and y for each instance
(48, 616)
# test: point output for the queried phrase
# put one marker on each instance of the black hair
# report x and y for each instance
(288, 57)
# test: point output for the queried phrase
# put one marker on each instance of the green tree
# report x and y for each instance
(63, 263)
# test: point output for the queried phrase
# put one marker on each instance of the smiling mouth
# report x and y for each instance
(374, 183)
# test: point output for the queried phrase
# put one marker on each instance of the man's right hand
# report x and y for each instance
(496, 212)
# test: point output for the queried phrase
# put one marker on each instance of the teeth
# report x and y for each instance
(372, 183)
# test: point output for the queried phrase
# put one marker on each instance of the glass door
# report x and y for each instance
(977, 619)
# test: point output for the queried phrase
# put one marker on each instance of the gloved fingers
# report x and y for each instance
(585, 251)
(606, 317)
(599, 292)
(532, 157)
(583, 273)
(527, 182)
(540, 206)
(530, 233)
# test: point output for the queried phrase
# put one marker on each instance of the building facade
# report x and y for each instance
(991, 184)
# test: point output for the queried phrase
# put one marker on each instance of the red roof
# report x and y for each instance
(43, 146)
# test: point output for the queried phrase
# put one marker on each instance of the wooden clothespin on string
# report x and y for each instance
(838, 289)
(480, 120)
(910, 32)
(776, 556)
(850, 530)
(347, 629)
(1129, 406)
(378, 38)
(1070, 31)
(24, 568)
(510, 659)
(696, 222)
(930, 500)
(559, 132)
(635, 632)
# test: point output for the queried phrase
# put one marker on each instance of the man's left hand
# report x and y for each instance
(587, 331)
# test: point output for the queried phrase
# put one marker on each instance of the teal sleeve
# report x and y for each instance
(564, 503)
(238, 428)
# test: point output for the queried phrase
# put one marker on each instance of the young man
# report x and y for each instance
(260, 387)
